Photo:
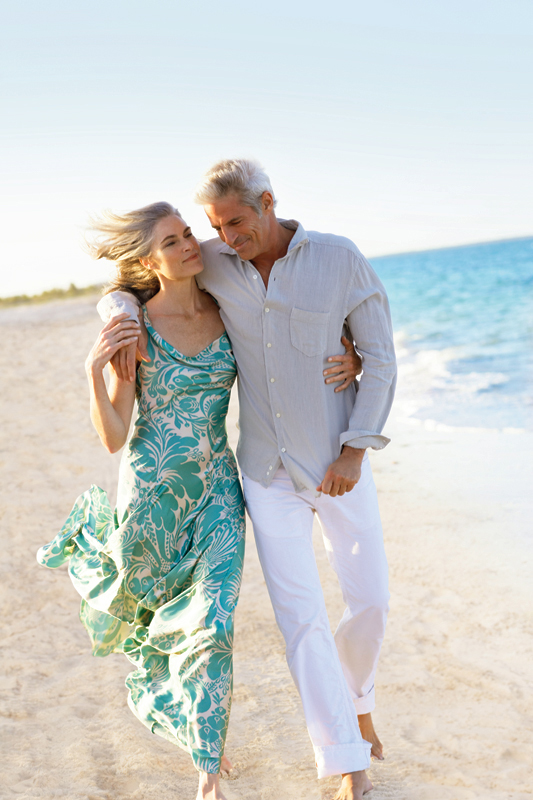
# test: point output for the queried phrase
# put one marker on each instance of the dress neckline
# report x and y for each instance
(170, 347)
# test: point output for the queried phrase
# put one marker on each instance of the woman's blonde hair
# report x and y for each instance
(125, 239)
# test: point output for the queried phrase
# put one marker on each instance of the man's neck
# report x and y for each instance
(277, 247)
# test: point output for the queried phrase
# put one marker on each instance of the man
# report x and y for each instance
(286, 296)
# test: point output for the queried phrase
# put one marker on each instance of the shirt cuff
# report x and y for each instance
(363, 439)
(116, 303)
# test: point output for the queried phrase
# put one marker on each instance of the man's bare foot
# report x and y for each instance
(225, 765)
(366, 726)
(209, 787)
(354, 785)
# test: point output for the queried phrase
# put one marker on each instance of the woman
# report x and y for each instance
(160, 576)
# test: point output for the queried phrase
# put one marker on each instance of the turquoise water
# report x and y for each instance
(463, 320)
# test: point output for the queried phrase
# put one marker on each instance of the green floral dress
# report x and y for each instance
(160, 576)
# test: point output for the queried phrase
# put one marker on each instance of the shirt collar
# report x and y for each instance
(300, 236)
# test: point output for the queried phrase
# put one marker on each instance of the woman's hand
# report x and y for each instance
(125, 359)
(348, 367)
(111, 410)
(120, 331)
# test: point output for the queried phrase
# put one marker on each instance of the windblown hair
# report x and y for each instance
(125, 239)
(243, 177)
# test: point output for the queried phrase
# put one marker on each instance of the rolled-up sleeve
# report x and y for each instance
(116, 303)
(369, 320)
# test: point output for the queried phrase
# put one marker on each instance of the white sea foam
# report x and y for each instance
(428, 387)
(462, 318)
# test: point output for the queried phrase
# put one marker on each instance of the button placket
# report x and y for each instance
(271, 379)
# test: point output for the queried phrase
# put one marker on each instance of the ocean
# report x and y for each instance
(463, 322)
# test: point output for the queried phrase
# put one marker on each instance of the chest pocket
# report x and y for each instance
(309, 331)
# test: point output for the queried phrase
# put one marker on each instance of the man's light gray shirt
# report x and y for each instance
(282, 336)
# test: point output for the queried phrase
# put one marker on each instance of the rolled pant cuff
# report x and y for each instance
(338, 759)
(366, 704)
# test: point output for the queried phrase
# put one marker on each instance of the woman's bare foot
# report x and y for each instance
(354, 785)
(209, 787)
(225, 765)
(366, 726)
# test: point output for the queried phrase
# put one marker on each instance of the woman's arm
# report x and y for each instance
(111, 412)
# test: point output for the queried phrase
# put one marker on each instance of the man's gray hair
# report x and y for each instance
(241, 176)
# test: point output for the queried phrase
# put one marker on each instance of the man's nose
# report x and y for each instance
(229, 235)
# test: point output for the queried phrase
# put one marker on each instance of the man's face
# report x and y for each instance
(239, 226)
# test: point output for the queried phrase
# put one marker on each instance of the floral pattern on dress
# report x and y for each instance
(159, 576)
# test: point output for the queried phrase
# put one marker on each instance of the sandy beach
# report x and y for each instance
(454, 683)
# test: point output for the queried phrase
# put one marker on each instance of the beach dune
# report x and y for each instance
(454, 683)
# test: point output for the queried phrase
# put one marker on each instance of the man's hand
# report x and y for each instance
(343, 474)
(125, 360)
(347, 367)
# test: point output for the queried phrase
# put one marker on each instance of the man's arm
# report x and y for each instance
(368, 317)
(115, 303)
(344, 473)
(124, 361)
(344, 370)
(370, 323)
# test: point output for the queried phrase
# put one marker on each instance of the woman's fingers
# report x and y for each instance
(343, 364)
(114, 321)
(352, 356)
(113, 347)
(342, 372)
(344, 367)
(117, 336)
(350, 347)
(131, 359)
(124, 325)
(347, 382)
(123, 333)
(117, 345)
(120, 342)
(118, 326)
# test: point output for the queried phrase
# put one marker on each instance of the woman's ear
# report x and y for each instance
(145, 263)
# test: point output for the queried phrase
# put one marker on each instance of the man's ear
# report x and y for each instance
(267, 201)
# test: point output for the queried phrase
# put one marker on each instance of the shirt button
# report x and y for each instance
(272, 380)
(278, 415)
(254, 277)
(267, 310)
(283, 450)
(269, 345)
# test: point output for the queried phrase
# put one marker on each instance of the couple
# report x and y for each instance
(160, 575)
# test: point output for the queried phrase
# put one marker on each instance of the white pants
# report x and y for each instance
(333, 674)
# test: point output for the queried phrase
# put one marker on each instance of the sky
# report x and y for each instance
(402, 124)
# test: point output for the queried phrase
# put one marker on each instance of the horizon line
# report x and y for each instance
(23, 297)
(454, 246)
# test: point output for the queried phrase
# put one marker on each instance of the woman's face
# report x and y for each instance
(176, 252)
